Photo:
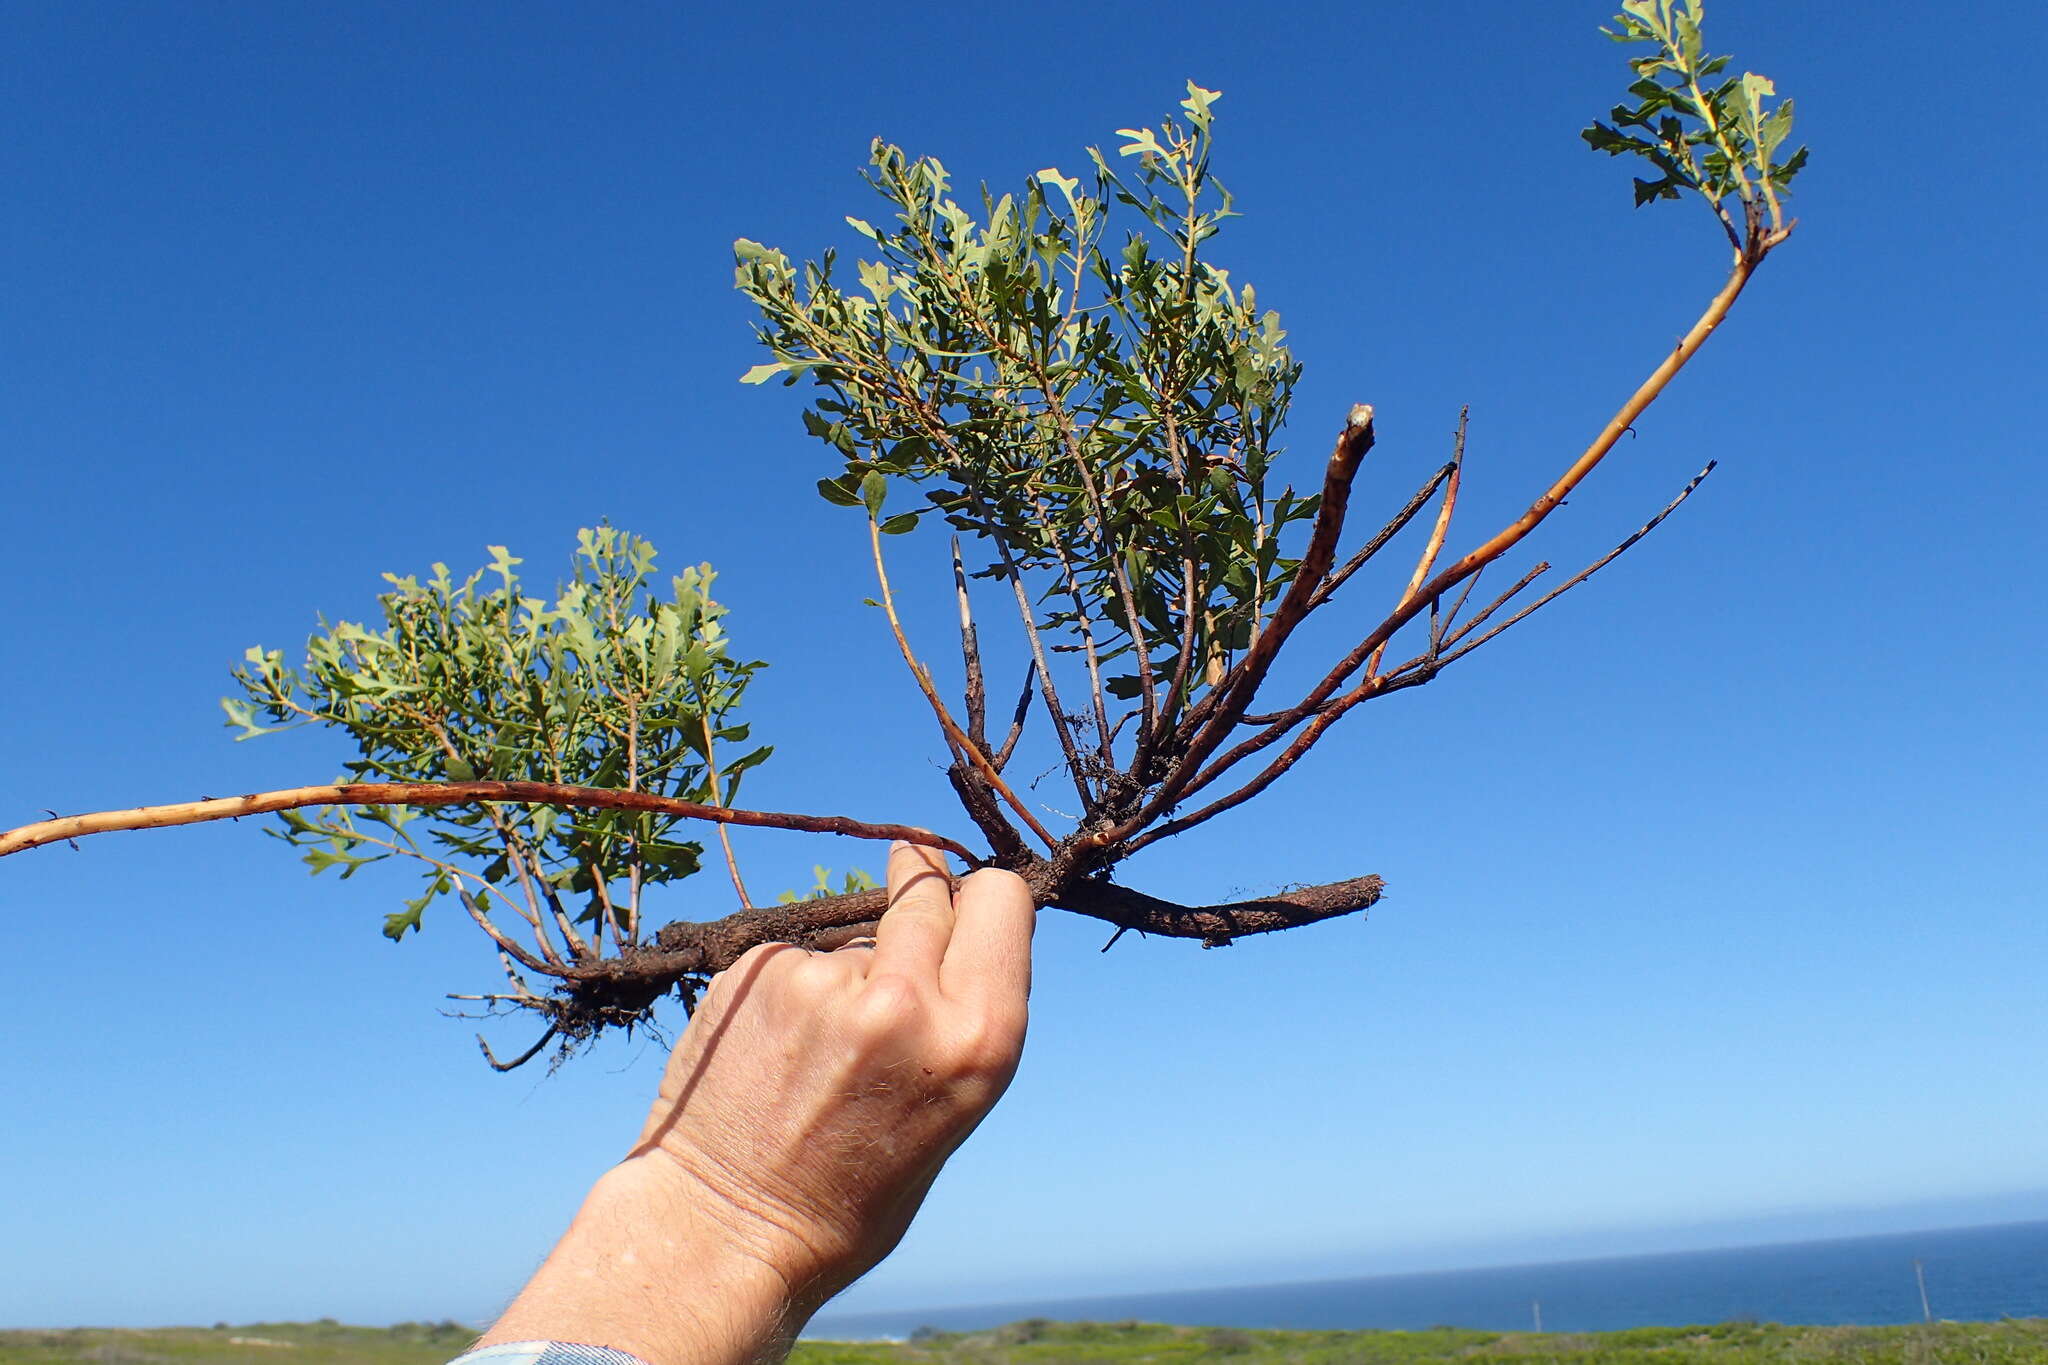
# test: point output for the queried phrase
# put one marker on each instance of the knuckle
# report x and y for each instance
(987, 1045)
(889, 1003)
(815, 976)
(747, 967)
(752, 961)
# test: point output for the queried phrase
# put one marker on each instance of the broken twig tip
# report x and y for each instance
(1361, 416)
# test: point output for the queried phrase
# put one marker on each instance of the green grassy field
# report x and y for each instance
(2022, 1341)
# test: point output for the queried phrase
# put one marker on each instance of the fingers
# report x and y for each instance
(911, 937)
(988, 960)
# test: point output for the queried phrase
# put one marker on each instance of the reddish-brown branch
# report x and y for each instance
(1413, 673)
(1235, 692)
(1318, 703)
(1289, 756)
(451, 794)
(1646, 393)
(1215, 715)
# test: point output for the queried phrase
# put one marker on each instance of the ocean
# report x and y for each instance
(1979, 1274)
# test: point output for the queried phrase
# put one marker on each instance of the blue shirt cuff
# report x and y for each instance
(545, 1353)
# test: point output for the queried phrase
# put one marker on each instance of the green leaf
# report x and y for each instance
(242, 716)
(900, 523)
(874, 489)
(835, 491)
(1649, 191)
(762, 373)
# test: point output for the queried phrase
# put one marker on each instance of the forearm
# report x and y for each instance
(647, 1268)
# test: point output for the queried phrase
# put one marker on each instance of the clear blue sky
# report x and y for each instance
(1715, 897)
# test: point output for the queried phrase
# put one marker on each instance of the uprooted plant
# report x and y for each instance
(1094, 408)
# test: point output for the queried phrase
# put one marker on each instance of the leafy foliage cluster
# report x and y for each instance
(1103, 410)
(1704, 131)
(607, 686)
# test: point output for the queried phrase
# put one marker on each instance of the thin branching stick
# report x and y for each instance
(1595, 567)
(523, 1058)
(732, 864)
(1395, 525)
(975, 689)
(1434, 546)
(42, 832)
(1084, 625)
(1001, 758)
(1451, 638)
(507, 949)
(1112, 552)
(923, 677)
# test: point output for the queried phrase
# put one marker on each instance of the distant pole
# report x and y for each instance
(1536, 1307)
(1926, 1313)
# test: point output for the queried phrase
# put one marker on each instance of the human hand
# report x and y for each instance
(802, 1118)
(816, 1095)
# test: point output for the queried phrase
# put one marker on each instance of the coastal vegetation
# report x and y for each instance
(2011, 1341)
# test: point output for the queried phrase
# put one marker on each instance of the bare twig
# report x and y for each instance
(1112, 554)
(1589, 570)
(1432, 547)
(1543, 567)
(1084, 624)
(1289, 756)
(941, 435)
(1395, 525)
(1002, 755)
(1242, 682)
(1437, 627)
(477, 911)
(976, 688)
(923, 678)
(1646, 393)
(523, 1058)
(526, 861)
(732, 864)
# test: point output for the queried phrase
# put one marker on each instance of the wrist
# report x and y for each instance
(652, 1266)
